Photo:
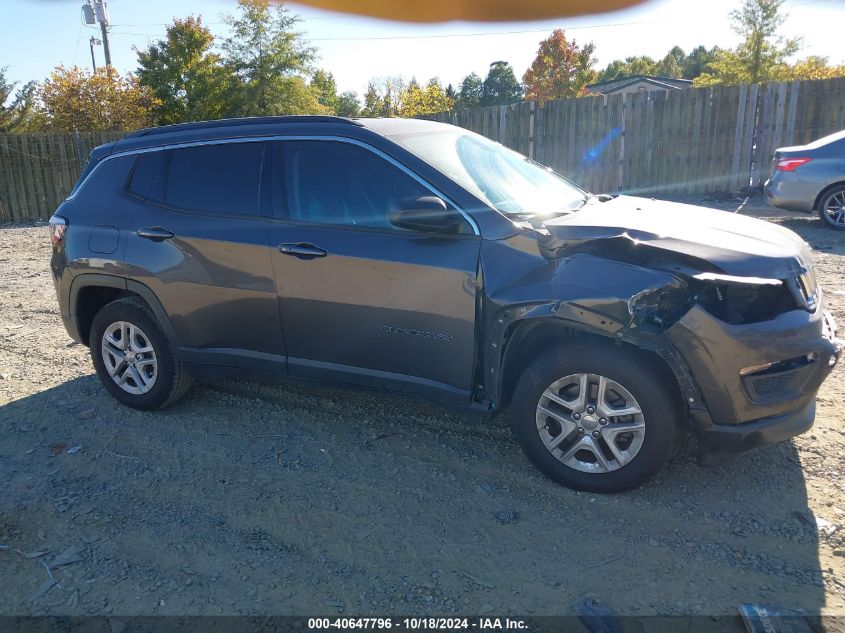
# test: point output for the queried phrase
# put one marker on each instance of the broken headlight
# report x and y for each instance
(740, 300)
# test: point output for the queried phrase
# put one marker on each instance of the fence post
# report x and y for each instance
(531, 112)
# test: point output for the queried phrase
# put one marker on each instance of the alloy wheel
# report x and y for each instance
(834, 209)
(590, 423)
(129, 357)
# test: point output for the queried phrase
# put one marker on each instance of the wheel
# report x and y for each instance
(133, 357)
(832, 208)
(594, 417)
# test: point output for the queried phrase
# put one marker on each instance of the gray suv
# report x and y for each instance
(420, 258)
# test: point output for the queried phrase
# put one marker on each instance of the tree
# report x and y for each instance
(270, 60)
(325, 89)
(672, 65)
(500, 86)
(697, 61)
(762, 54)
(16, 107)
(813, 67)
(373, 102)
(383, 96)
(189, 81)
(676, 64)
(77, 100)
(469, 93)
(416, 101)
(561, 69)
(348, 105)
(635, 65)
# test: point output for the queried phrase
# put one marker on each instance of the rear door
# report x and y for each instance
(200, 243)
(363, 301)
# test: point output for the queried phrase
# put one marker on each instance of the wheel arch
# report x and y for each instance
(90, 292)
(825, 191)
(526, 338)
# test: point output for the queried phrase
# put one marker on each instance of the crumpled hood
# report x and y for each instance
(733, 244)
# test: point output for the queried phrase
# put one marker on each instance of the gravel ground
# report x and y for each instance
(251, 498)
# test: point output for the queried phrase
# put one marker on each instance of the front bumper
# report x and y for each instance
(732, 414)
(725, 438)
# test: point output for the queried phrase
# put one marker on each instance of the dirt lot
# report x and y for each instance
(258, 498)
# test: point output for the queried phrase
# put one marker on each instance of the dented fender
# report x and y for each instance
(584, 292)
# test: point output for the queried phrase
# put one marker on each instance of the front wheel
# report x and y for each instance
(832, 208)
(594, 417)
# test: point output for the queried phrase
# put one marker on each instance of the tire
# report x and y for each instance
(631, 381)
(832, 208)
(153, 377)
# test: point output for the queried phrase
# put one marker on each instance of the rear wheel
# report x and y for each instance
(594, 417)
(832, 208)
(133, 358)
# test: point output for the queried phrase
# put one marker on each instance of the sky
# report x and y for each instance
(37, 35)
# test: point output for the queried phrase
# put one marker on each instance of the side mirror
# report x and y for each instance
(428, 213)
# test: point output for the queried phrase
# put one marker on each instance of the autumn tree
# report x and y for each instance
(271, 61)
(469, 92)
(77, 100)
(560, 70)
(762, 54)
(16, 106)
(416, 100)
(500, 86)
(188, 79)
(813, 67)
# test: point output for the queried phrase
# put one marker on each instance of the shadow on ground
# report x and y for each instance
(253, 498)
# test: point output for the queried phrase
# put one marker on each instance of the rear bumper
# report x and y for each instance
(784, 191)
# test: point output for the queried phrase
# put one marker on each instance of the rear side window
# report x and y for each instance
(145, 172)
(221, 179)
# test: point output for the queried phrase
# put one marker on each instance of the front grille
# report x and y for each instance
(781, 381)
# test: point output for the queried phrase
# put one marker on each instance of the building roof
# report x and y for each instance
(665, 83)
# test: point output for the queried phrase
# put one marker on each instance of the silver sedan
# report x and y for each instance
(811, 178)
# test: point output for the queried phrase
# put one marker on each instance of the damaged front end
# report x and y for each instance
(744, 334)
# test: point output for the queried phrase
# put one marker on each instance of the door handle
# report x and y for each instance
(302, 250)
(154, 233)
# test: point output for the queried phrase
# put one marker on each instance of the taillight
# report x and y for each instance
(790, 164)
(58, 227)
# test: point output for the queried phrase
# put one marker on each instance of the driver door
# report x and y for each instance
(363, 301)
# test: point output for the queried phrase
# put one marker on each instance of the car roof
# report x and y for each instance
(270, 126)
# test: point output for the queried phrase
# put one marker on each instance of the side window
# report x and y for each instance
(221, 179)
(332, 182)
(144, 174)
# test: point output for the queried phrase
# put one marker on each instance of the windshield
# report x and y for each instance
(504, 179)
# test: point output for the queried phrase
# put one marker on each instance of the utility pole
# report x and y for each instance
(94, 42)
(94, 11)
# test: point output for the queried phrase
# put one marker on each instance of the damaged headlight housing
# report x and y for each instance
(739, 300)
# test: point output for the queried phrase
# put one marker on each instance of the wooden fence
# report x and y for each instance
(37, 171)
(687, 141)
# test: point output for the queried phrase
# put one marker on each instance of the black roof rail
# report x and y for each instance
(259, 120)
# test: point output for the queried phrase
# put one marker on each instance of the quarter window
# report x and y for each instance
(332, 182)
(146, 170)
(221, 179)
